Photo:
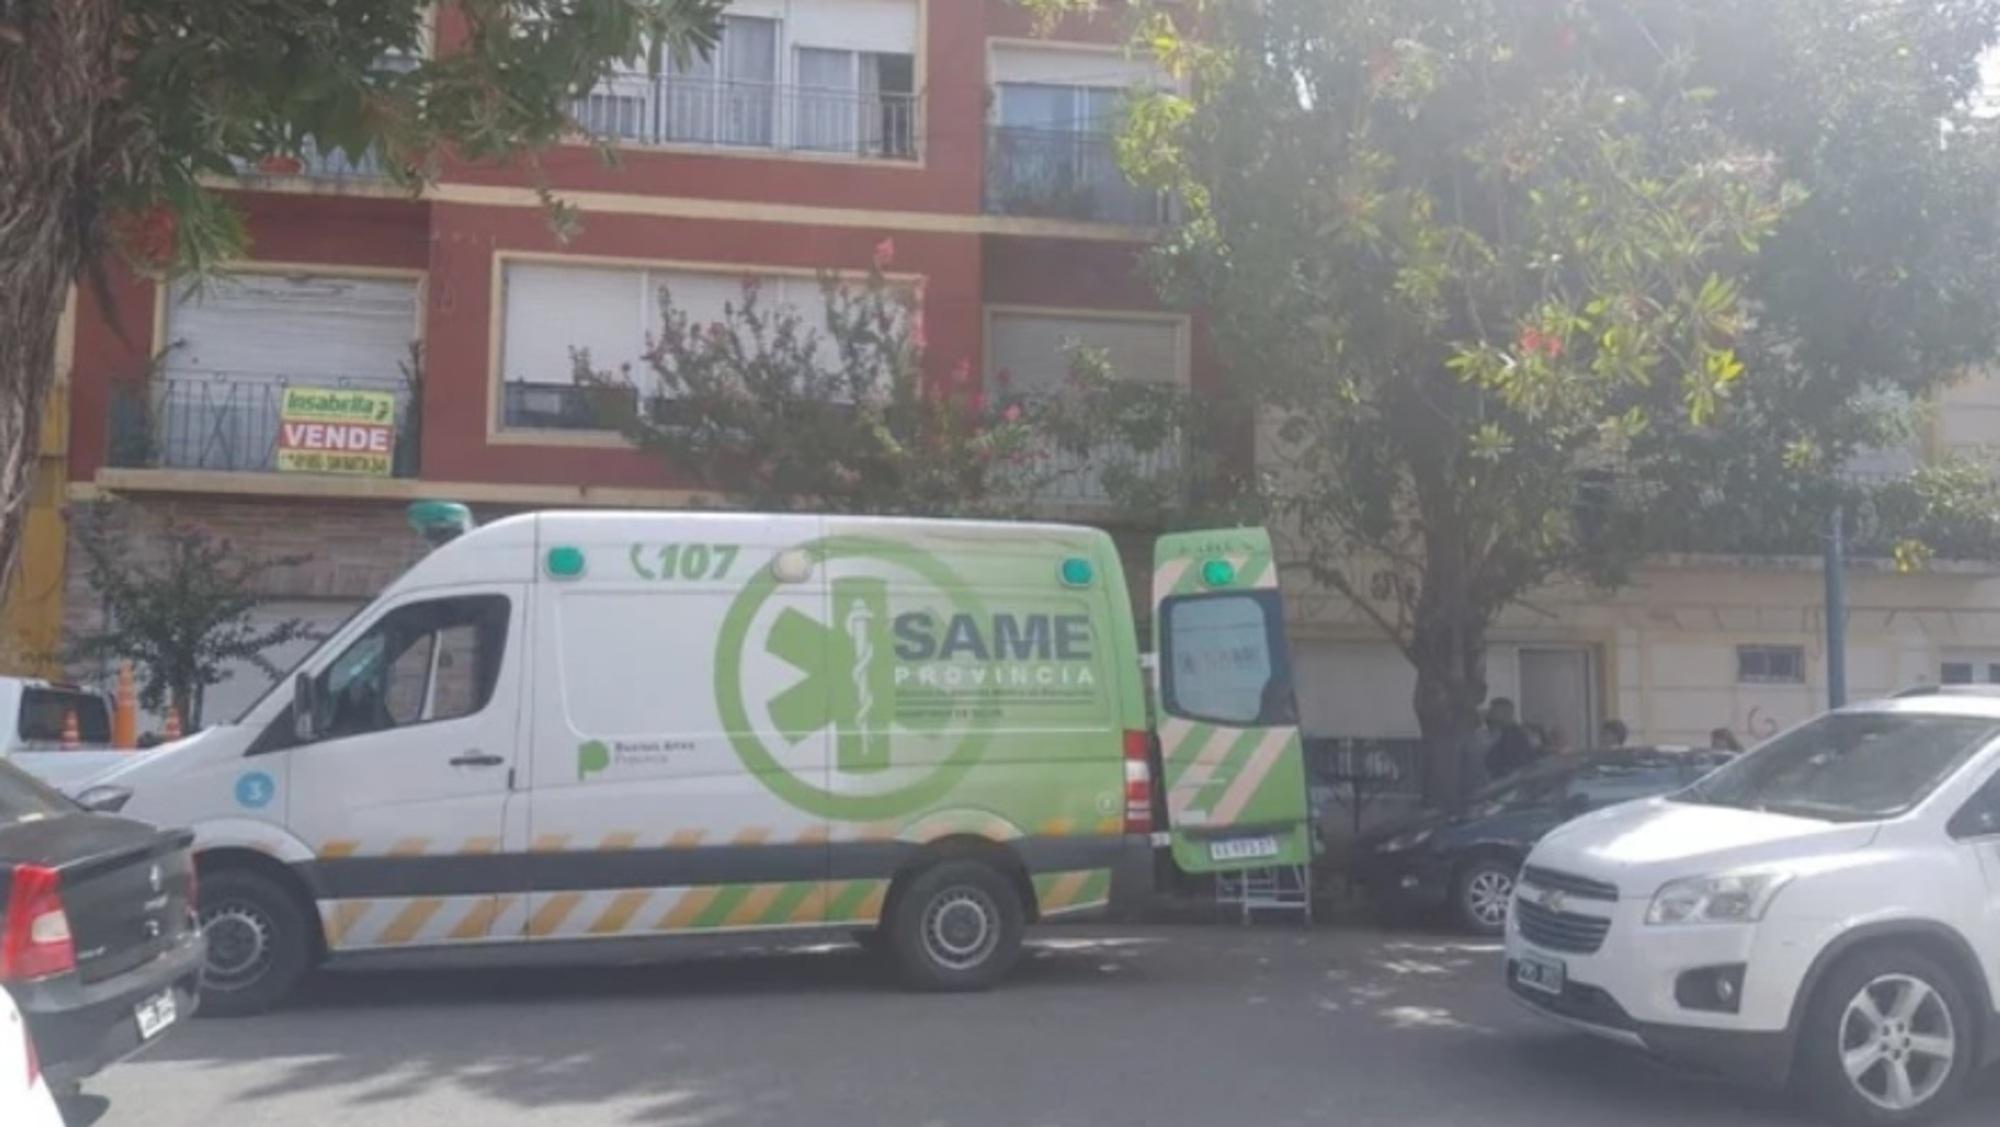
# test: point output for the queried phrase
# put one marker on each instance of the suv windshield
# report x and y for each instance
(1848, 767)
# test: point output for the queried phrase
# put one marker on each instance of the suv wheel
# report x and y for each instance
(1485, 888)
(1888, 1040)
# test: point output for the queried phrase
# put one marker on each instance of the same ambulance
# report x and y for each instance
(586, 727)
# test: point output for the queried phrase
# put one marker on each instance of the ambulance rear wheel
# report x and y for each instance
(957, 927)
(258, 945)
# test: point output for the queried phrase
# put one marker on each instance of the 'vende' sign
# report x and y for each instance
(329, 430)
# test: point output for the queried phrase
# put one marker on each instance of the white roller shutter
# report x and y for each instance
(292, 328)
(1034, 348)
(1354, 690)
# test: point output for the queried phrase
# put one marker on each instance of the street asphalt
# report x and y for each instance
(1101, 1026)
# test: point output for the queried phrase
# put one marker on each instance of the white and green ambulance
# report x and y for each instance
(597, 727)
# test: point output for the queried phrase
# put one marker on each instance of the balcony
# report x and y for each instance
(334, 166)
(230, 421)
(560, 406)
(1070, 480)
(727, 114)
(1063, 174)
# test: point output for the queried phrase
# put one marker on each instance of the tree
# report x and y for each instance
(775, 412)
(181, 610)
(119, 119)
(1526, 288)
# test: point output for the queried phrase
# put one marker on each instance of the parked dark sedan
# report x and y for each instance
(98, 940)
(1466, 862)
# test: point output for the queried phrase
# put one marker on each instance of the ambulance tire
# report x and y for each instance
(956, 927)
(260, 943)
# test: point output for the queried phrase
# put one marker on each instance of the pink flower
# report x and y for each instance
(1013, 413)
(885, 254)
(918, 338)
(962, 373)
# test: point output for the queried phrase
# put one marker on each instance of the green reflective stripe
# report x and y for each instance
(788, 901)
(724, 903)
(1253, 570)
(1181, 756)
(849, 899)
(1097, 888)
(1239, 753)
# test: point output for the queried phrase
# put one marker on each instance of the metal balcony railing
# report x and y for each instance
(681, 110)
(333, 165)
(229, 421)
(1066, 478)
(1061, 174)
(560, 406)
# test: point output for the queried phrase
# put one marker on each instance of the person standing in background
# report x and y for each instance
(1613, 734)
(1722, 739)
(1511, 749)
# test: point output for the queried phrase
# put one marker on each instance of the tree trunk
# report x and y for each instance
(56, 77)
(1450, 657)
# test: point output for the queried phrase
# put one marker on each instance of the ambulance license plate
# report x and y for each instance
(1544, 975)
(1243, 849)
(155, 1014)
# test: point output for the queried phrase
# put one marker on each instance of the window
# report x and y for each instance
(1848, 767)
(23, 798)
(1607, 784)
(422, 662)
(729, 98)
(554, 311)
(46, 711)
(853, 102)
(1771, 665)
(1224, 661)
(1980, 816)
(1970, 669)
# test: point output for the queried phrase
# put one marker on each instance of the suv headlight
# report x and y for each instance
(1729, 898)
(1403, 843)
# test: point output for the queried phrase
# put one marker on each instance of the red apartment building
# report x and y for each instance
(818, 129)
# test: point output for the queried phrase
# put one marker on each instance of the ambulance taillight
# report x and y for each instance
(1138, 784)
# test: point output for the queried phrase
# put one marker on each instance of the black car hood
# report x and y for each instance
(1427, 819)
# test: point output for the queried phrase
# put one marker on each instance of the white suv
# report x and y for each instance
(1824, 910)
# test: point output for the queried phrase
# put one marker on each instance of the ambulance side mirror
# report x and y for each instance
(305, 708)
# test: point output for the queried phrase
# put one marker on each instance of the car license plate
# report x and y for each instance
(1243, 849)
(155, 1014)
(1545, 975)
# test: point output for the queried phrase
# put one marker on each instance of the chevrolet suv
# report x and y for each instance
(1823, 912)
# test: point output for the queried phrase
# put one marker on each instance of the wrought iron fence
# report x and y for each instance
(1062, 174)
(1073, 477)
(229, 420)
(677, 109)
(561, 406)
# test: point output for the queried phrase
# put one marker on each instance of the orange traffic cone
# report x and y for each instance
(172, 731)
(125, 711)
(72, 737)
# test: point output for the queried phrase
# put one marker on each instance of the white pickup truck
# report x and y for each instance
(33, 713)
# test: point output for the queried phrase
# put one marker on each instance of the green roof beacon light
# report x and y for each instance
(440, 522)
(564, 562)
(1218, 573)
(1077, 572)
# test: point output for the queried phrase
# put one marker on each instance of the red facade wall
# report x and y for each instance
(457, 244)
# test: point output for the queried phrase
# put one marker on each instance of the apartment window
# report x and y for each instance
(834, 77)
(1771, 665)
(854, 102)
(557, 315)
(1029, 355)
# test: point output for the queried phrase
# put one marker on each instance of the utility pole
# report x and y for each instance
(1836, 611)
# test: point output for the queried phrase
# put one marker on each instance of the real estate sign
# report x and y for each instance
(337, 431)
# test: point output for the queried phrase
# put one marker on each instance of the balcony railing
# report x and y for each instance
(229, 421)
(559, 406)
(679, 110)
(1065, 478)
(1060, 174)
(334, 165)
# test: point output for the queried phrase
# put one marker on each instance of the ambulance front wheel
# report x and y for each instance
(957, 927)
(258, 945)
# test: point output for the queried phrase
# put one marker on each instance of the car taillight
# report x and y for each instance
(1138, 784)
(36, 942)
